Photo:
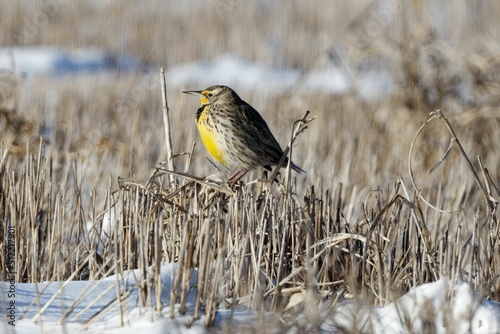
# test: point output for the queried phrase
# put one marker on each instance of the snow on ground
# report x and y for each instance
(443, 305)
(228, 70)
(85, 301)
(53, 61)
(427, 306)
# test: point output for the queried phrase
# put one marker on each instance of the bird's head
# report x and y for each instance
(212, 94)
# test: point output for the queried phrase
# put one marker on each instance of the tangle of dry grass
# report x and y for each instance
(75, 154)
(259, 247)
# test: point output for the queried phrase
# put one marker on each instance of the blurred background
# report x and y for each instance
(83, 77)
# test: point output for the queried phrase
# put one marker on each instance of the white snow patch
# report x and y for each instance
(445, 307)
(33, 61)
(463, 312)
(240, 74)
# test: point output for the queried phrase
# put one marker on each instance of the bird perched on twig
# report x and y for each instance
(235, 134)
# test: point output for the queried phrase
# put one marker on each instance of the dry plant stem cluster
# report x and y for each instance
(277, 252)
(484, 186)
(267, 249)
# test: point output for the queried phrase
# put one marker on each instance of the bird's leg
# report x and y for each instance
(236, 177)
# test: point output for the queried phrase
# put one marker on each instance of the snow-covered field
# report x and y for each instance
(74, 306)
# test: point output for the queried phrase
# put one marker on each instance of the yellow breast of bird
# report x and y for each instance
(210, 138)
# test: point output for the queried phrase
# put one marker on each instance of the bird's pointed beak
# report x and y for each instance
(192, 92)
(199, 93)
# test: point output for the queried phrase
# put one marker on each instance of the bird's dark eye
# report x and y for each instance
(210, 94)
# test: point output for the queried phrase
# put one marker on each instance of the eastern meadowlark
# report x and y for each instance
(235, 134)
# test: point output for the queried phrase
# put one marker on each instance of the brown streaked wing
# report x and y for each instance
(258, 126)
